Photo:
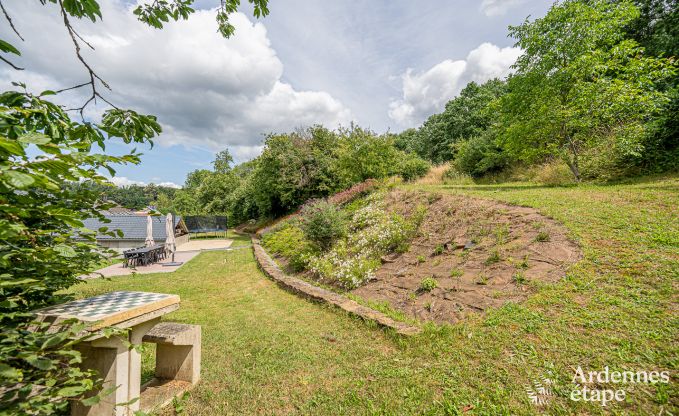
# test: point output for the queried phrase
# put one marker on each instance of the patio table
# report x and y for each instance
(116, 359)
(147, 254)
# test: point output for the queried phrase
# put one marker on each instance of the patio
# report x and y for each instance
(119, 269)
(185, 253)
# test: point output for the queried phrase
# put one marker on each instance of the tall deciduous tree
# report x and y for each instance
(223, 161)
(580, 84)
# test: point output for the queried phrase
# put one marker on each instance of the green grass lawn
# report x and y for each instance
(266, 351)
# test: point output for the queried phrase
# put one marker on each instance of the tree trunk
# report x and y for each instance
(573, 165)
(573, 162)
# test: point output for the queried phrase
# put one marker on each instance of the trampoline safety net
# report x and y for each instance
(205, 223)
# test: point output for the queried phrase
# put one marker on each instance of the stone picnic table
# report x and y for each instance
(116, 358)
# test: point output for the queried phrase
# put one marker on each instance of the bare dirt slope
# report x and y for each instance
(481, 253)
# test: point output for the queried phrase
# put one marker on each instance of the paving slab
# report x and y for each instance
(212, 244)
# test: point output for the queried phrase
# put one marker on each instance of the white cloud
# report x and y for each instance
(205, 90)
(427, 92)
(169, 185)
(499, 7)
(121, 181)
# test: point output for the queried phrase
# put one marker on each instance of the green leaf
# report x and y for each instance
(65, 251)
(35, 138)
(71, 391)
(11, 146)
(10, 373)
(8, 48)
(17, 179)
(54, 340)
(20, 282)
(40, 362)
(91, 401)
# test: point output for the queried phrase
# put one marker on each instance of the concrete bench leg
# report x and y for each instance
(180, 360)
(177, 363)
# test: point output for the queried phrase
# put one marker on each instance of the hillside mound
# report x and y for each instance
(470, 254)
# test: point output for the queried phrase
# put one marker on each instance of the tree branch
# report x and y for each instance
(11, 64)
(94, 77)
(9, 20)
(72, 88)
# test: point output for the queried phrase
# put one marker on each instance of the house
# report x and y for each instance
(133, 226)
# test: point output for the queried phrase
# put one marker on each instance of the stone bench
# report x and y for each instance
(178, 350)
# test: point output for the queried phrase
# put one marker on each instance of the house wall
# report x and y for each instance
(122, 245)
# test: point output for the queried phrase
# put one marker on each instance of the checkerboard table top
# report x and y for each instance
(110, 308)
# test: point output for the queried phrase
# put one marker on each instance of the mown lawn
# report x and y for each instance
(266, 351)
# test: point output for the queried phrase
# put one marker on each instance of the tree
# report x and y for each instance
(365, 155)
(295, 167)
(657, 26)
(43, 247)
(657, 30)
(464, 117)
(580, 85)
(481, 155)
(223, 161)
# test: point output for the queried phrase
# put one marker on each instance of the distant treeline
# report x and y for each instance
(131, 196)
(293, 168)
(595, 89)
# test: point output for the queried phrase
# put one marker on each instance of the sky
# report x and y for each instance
(384, 64)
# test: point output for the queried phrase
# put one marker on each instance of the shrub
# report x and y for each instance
(554, 173)
(322, 223)
(412, 167)
(373, 233)
(494, 257)
(480, 155)
(519, 278)
(542, 237)
(428, 284)
(289, 241)
(343, 267)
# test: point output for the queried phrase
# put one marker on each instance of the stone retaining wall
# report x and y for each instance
(271, 269)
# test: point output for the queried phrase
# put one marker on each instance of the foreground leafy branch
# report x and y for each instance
(44, 246)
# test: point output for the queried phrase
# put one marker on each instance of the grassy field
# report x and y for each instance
(266, 351)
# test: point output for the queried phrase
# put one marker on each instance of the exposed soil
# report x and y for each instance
(481, 253)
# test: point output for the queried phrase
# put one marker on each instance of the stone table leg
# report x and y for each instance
(119, 365)
(111, 359)
(136, 335)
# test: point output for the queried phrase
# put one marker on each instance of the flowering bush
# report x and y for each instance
(373, 233)
(344, 267)
(355, 191)
(322, 222)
